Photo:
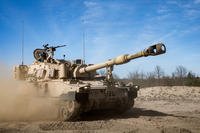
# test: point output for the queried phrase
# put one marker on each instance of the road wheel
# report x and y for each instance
(69, 111)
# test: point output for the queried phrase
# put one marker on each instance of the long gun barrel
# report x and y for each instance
(153, 50)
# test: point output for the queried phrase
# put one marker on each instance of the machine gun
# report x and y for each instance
(45, 54)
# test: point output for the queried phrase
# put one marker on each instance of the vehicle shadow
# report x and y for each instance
(132, 113)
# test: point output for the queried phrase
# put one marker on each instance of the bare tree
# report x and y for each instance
(191, 75)
(159, 73)
(133, 75)
(180, 72)
(136, 75)
(142, 75)
(150, 75)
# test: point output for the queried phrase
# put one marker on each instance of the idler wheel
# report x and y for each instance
(69, 111)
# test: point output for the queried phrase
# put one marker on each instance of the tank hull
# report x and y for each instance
(97, 99)
(77, 99)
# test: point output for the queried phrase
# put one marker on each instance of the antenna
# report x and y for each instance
(22, 45)
(83, 41)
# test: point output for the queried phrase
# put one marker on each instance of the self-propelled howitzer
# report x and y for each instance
(78, 87)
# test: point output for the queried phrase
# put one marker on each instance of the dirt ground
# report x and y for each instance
(156, 110)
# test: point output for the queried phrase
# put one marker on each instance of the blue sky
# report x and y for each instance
(112, 27)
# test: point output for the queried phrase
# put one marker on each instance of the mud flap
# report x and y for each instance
(74, 96)
(70, 96)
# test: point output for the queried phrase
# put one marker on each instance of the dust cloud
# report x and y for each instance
(19, 101)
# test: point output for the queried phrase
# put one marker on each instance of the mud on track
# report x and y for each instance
(157, 110)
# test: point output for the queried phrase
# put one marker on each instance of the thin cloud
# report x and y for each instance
(165, 36)
(92, 13)
(163, 9)
(197, 1)
(192, 13)
(190, 9)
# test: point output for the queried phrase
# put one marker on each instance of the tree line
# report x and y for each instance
(180, 77)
